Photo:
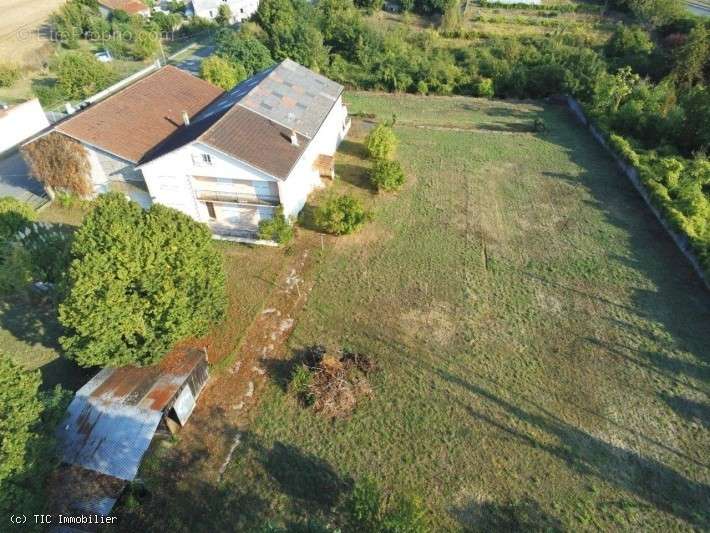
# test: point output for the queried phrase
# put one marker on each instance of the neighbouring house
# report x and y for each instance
(132, 7)
(111, 422)
(226, 159)
(20, 122)
(240, 9)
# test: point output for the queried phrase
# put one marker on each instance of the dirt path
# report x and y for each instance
(208, 442)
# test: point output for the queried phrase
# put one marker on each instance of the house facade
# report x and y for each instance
(240, 9)
(225, 159)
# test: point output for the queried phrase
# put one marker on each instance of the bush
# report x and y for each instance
(341, 215)
(276, 229)
(16, 269)
(9, 74)
(484, 88)
(14, 216)
(381, 143)
(60, 162)
(81, 75)
(222, 73)
(624, 149)
(28, 419)
(387, 175)
(140, 281)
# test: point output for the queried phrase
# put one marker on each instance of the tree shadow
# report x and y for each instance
(281, 370)
(35, 323)
(508, 127)
(355, 175)
(691, 410)
(353, 149)
(513, 516)
(648, 479)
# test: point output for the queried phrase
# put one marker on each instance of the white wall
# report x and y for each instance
(303, 179)
(21, 122)
(241, 9)
(111, 173)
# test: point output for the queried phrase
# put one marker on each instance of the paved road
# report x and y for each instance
(192, 63)
(698, 9)
(15, 181)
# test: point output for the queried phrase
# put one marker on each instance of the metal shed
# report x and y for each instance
(112, 419)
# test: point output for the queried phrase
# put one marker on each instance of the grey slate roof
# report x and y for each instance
(294, 97)
(253, 121)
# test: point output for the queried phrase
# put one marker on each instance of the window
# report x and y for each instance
(210, 210)
(207, 159)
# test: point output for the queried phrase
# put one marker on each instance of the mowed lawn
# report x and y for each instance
(544, 349)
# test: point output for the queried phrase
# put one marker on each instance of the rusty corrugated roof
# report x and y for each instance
(112, 419)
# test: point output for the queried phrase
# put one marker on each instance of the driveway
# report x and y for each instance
(192, 63)
(15, 181)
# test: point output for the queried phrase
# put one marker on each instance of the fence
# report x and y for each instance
(633, 175)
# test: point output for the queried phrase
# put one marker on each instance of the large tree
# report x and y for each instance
(139, 282)
(80, 74)
(60, 162)
(244, 50)
(27, 421)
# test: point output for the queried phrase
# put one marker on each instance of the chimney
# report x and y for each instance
(185, 118)
(294, 138)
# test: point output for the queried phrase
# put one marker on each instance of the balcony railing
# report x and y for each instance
(235, 198)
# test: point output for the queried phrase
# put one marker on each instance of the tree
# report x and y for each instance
(139, 282)
(14, 216)
(59, 162)
(693, 58)
(655, 12)
(341, 215)
(452, 19)
(27, 422)
(387, 175)
(80, 74)
(221, 72)
(146, 44)
(244, 50)
(224, 15)
(381, 142)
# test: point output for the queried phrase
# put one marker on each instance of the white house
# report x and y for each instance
(240, 9)
(226, 159)
(20, 122)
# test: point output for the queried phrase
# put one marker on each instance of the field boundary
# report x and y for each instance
(633, 175)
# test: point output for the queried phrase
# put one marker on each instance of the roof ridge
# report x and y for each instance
(239, 103)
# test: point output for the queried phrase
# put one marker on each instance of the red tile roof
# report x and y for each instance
(129, 6)
(138, 118)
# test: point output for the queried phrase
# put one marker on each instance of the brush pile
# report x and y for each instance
(332, 383)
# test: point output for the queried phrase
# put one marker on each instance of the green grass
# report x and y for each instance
(543, 346)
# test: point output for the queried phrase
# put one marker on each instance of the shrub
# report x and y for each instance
(140, 281)
(381, 142)
(484, 88)
(341, 215)
(387, 175)
(222, 73)
(276, 229)
(9, 74)
(60, 163)
(14, 216)
(624, 149)
(16, 269)
(80, 74)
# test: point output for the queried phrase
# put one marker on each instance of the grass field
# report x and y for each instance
(543, 346)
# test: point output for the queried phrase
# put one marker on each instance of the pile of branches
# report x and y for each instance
(332, 383)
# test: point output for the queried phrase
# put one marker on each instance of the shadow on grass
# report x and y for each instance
(353, 148)
(257, 480)
(691, 410)
(523, 515)
(355, 175)
(588, 455)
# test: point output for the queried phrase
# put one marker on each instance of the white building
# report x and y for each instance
(20, 122)
(240, 9)
(226, 159)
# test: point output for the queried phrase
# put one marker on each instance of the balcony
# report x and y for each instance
(236, 198)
